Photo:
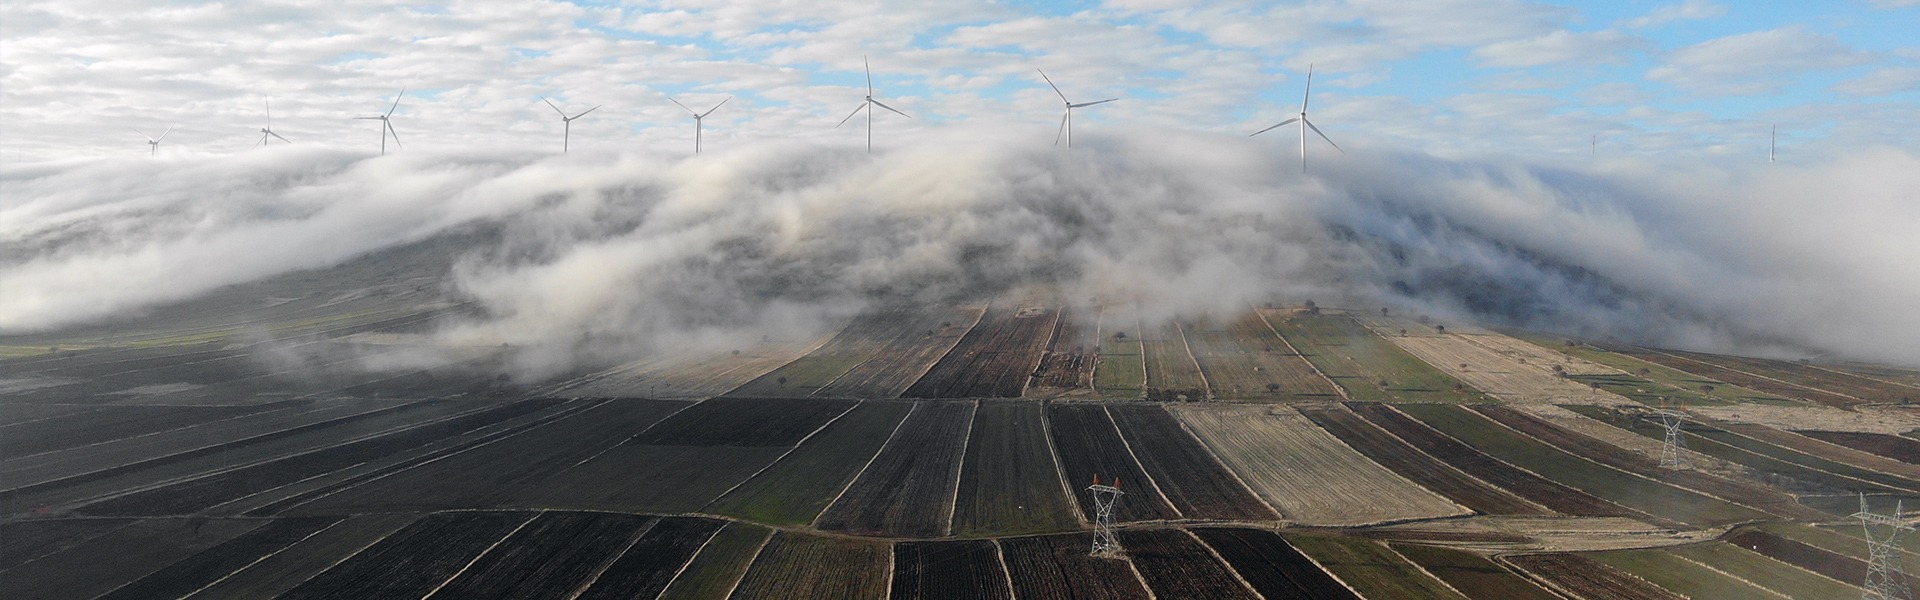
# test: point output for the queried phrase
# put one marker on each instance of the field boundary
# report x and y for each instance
(815, 523)
(1143, 468)
(959, 468)
(483, 553)
(1337, 388)
(1046, 431)
(1205, 381)
(769, 465)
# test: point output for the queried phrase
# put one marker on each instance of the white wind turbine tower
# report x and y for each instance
(566, 135)
(1772, 141)
(866, 104)
(1305, 124)
(267, 131)
(1066, 120)
(386, 124)
(153, 143)
(697, 116)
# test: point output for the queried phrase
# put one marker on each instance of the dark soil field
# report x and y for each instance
(897, 364)
(22, 541)
(794, 490)
(1057, 567)
(1755, 496)
(1860, 465)
(754, 422)
(1009, 483)
(1583, 577)
(1844, 569)
(1370, 568)
(108, 423)
(908, 488)
(1272, 566)
(552, 556)
(1176, 565)
(1418, 467)
(651, 563)
(1650, 497)
(1071, 354)
(415, 560)
(994, 360)
(211, 565)
(198, 494)
(1472, 574)
(1793, 471)
(802, 567)
(1547, 493)
(1184, 469)
(1089, 446)
(122, 554)
(719, 566)
(1244, 359)
(1880, 444)
(276, 574)
(956, 570)
(643, 478)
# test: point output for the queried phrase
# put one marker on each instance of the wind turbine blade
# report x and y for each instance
(869, 67)
(263, 140)
(269, 104)
(283, 139)
(1062, 129)
(716, 107)
(850, 115)
(366, 118)
(395, 132)
(677, 102)
(583, 113)
(1322, 135)
(1056, 89)
(396, 101)
(563, 114)
(1083, 104)
(884, 105)
(1275, 126)
(1309, 92)
(149, 138)
(163, 134)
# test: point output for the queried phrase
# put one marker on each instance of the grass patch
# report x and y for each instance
(1652, 383)
(795, 490)
(1680, 575)
(1360, 361)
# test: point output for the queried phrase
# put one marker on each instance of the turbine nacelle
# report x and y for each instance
(866, 105)
(1066, 120)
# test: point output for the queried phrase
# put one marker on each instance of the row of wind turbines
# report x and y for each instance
(869, 104)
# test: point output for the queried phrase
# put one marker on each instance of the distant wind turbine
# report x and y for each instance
(153, 143)
(386, 124)
(1772, 141)
(1066, 120)
(697, 116)
(866, 104)
(267, 131)
(566, 135)
(1304, 124)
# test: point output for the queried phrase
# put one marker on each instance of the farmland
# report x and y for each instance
(1509, 377)
(1090, 447)
(1176, 565)
(650, 479)
(1681, 576)
(880, 344)
(121, 554)
(1865, 389)
(1582, 577)
(693, 376)
(957, 570)
(1797, 472)
(1764, 572)
(1306, 473)
(211, 565)
(1009, 483)
(1121, 371)
(994, 360)
(555, 551)
(1360, 361)
(1705, 368)
(794, 490)
(1470, 573)
(1651, 383)
(1057, 566)
(743, 422)
(1835, 566)
(279, 572)
(1182, 468)
(415, 560)
(905, 358)
(1068, 364)
(720, 564)
(800, 566)
(1370, 568)
(1272, 566)
(1908, 474)
(1419, 467)
(908, 489)
(1171, 368)
(1244, 360)
(645, 567)
(1547, 493)
(1880, 444)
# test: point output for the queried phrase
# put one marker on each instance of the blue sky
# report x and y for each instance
(1495, 77)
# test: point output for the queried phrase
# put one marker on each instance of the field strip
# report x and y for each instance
(1423, 570)
(757, 550)
(1041, 356)
(863, 468)
(1337, 388)
(636, 434)
(349, 556)
(769, 465)
(1136, 460)
(289, 407)
(1223, 562)
(690, 558)
(256, 561)
(1750, 582)
(959, 467)
(1752, 374)
(956, 344)
(999, 556)
(482, 554)
(1046, 430)
(1865, 376)
(1583, 457)
(594, 577)
(1204, 382)
(1207, 445)
(1904, 481)
(1323, 567)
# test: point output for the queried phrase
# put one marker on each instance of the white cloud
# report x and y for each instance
(1754, 63)
(1560, 47)
(1684, 11)
(1881, 82)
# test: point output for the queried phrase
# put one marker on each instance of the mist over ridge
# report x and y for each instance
(601, 257)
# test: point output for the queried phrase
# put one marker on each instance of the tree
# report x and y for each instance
(1383, 311)
(1273, 388)
(782, 380)
(1440, 328)
(1119, 335)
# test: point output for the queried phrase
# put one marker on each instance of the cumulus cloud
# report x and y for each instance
(1684, 11)
(1754, 63)
(1881, 82)
(600, 254)
(1560, 47)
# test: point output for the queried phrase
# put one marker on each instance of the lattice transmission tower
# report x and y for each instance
(1885, 579)
(1673, 453)
(1104, 498)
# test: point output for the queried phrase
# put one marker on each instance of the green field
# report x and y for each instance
(1765, 572)
(1120, 372)
(1625, 489)
(1650, 383)
(1682, 576)
(1360, 361)
(1010, 484)
(719, 565)
(1171, 370)
(1467, 571)
(1369, 567)
(1763, 456)
(802, 377)
(794, 490)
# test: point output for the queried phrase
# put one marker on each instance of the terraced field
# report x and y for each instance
(1366, 366)
(1244, 359)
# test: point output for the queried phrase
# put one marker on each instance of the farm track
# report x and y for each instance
(908, 489)
(994, 360)
(1547, 493)
(1183, 469)
(1090, 447)
(1176, 565)
(1307, 473)
(1417, 466)
(1057, 567)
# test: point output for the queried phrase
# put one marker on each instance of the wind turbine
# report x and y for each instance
(386, 125)
(1305, 124)
(153, 143)
(1773, 140)
(566, 135)
(864, 106)
(697, 116)
(1066, 120)
(267, 131)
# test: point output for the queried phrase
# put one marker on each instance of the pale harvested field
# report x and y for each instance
(1617, 436)
(1891, 420)
(1556, 534)
(1305, 472)
(1500, 375)
(700, 376)
(1532, 354)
